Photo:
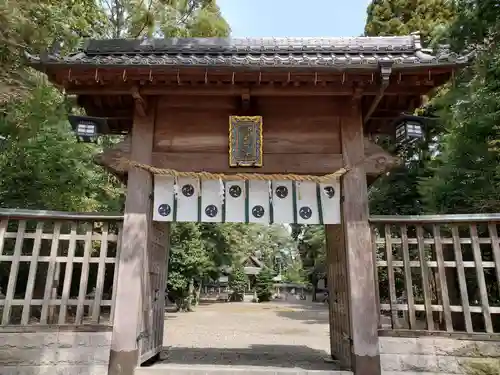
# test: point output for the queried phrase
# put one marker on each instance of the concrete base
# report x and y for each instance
(175, 369)
(436, 355)
(48, 350)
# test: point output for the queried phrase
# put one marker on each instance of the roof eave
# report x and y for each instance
(42, 66)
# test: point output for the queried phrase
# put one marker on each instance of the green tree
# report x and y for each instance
(33, 26)
(164, 18)
(311, 243)
(294, 272)
(217, 247)
(43, 167)
(237, 283)
(264, 285)
(476, 26)
(402, 17)
(57, 172)
(398, 193)
(272, 243)
(188, 263)
(463, 174)
(466, 175)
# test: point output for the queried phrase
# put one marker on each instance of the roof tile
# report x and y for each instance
(256, 53)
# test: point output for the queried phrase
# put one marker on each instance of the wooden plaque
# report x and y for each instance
(245, 141)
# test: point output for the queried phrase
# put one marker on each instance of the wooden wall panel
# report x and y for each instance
(300, 125)
(273, 163)
(291, 125)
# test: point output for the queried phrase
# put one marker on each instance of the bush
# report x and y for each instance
(264, 285)
(237, 283)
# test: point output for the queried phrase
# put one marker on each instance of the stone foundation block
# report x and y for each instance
(436, 355)
(52, 350)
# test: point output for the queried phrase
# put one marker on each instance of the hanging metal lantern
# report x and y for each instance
(409, 129)
(87, 129)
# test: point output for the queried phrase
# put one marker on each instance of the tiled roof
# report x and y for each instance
(256, 53)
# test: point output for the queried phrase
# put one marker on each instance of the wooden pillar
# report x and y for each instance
(361, 274)
(133, 256)
(350, 261)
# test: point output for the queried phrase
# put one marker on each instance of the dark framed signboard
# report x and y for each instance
(245, 141)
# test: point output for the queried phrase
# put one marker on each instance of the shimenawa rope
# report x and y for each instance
(380, 161)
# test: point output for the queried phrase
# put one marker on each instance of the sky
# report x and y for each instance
(294, 18)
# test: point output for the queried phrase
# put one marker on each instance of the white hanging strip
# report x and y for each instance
(187, 199)
(307, 203)
(258, 202)
(330, 201)
(211, 202)
(234, 204)
(163, 199)
(282, 201)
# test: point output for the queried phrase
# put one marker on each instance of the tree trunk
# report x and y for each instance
(197, 293)
(189, 299)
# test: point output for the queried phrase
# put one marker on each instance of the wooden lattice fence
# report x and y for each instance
(57, 267)
(438, 273)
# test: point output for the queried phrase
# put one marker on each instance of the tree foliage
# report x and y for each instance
(398, 192)
(295, 273)
(476, 25)
(272, 244)
(201, 252)
(311, 245)
(402, 17)
(33, 26)
(455, 168)
(43, 166)
(164, 18)
(465, 175)
(187, 264)
(237, 282)
(264, 285)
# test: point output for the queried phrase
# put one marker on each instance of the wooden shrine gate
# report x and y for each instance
(299, 109)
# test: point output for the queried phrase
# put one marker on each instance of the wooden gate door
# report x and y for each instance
(338, 289)
(153, 306)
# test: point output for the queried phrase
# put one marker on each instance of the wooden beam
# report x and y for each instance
(140, 103)
(385, 73)
(254, 90)
(360, 272)
(133, 254)
(316, 164)
(378, 161)
(245, 100)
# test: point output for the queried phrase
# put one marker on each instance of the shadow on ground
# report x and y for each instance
(209, 301)
(288, 356)
(315, 313)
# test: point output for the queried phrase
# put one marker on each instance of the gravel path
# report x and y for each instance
(280, 334)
